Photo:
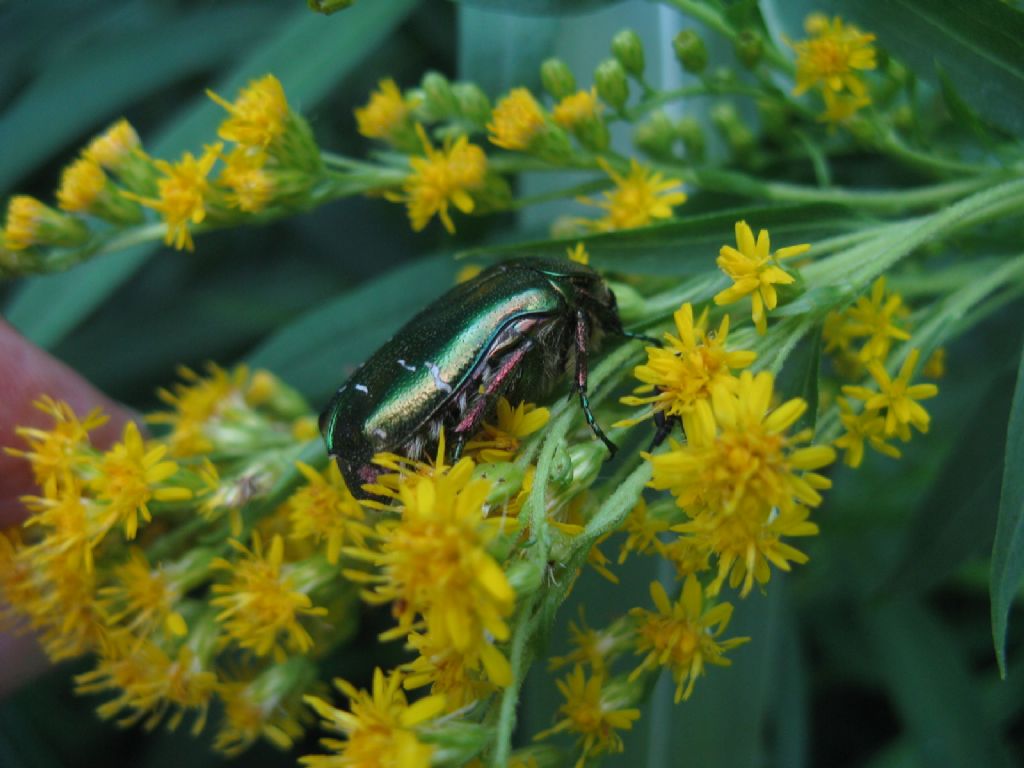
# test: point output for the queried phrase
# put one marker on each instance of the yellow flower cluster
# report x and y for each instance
(830, 61)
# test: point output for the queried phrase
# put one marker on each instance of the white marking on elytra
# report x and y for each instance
(410, 368)
(362, 388)
(436, 373)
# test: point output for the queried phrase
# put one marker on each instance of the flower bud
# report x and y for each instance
(455, 742)
(692, 134)
(472, 102)
(736, 134)
(561, 467)
(690, 50)
(587, 460)
(557, 78)
(506, 480)
(749, 48)
(656, 135)
(775, 118)
(612, 86)
(439, 98)
(525, 577)
(627, 48)
(327, 7)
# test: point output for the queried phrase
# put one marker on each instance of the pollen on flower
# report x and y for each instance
(182, 195)
(637, 200)
(112, 147)
(577, 108)
(501, 441)
(831, 58)
(516, 121)
(440, 179)
(385, 113)
(755, 271)
(129, 476)
(258, 116)
(682, 635)
(80, 185)
(325, 510)
(261, 604)
(595, 718)
(688, 369)
(379, 727)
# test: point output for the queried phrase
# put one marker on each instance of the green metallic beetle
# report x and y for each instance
(516, 325)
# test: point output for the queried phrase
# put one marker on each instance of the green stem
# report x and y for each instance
(517, 658)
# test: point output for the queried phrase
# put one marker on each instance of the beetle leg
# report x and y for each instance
(664, 427)
(582, 334)
(643, 337)
(475, 414)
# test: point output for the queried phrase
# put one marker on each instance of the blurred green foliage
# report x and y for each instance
(878, 652)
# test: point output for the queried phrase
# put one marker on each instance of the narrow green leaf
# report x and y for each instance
(684, 246)
(539, 7)
(499, 51)
(980, 44)
(309, 54)
(318, 351)
(1008, 547)
(929, 681)
(799, 376)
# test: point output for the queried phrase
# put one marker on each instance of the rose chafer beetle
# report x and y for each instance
(515, 326)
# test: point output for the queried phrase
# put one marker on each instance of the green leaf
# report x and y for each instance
(539, 7)
(318, 351)
(799, 376)
(499, 51)
(309, 54)
(1008, 547)
(929, 681)
(980, 44)
(684, 246)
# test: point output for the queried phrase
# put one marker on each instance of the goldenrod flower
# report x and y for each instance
(31, 222)
(577, 108)
(129, 476)
(866, 426)
(578, 254)
(840, 107)
(70, 523)
(114, 146)
(739, 456)
(379, 726)
(682, 636)
(258, 115)
(325, 510)
(935, 366)
(198, 403)
(434, 562)
(81, 184)
(386, 113)
(440, 179)
(516, 121)
(263, 603)
(642, 532)
(182, 195)
(596, 648)
(251, 186)
(831, 58)
(501, 441)
(754, 271)
(149, 683)
(898, 397)
(55, 452)
(268, 706)
(688, 369)
(143, 599)
(879, 319)
(461, 678)
(638, 199)
(595, 717)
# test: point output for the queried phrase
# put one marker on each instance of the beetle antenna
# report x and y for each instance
(642, 337)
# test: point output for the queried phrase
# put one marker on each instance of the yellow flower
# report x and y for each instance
(258, 116)
(682, 636)
(577, 108)
(461, 678)
(591, 714)
(440, 179)
(143, 599)
(70, 523)
(197, 402)
(593, 647)
(386, 113)
(262, 604)
(379, 726)
(148, 683)
(829, 60)
(578, 254)
(182, 195)
(56, 451)
(878, 320)
(840, 107)
(688, 369)
(266, 706)
(898, 397)
(112, 147)
(754, 271)
(935, 366)
(738, 455)
(325, 510)
(638, 199)
(642, 532)
(31, 222)
(250, 184)
(80, 186)
(516, 121)
(129, 477)
(467, 273)
(501, 442)
(866, 426)
(433, 562)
